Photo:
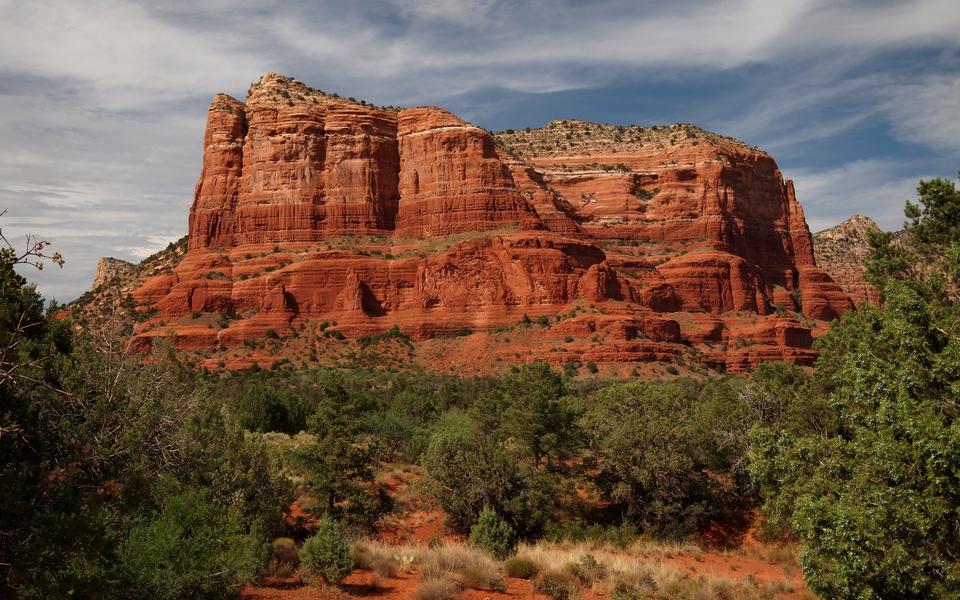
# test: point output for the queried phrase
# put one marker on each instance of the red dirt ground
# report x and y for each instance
(738, 568)
(357, 585)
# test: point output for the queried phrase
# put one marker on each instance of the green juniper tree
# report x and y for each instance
(340, 461)
(116, 471)
(875, 500)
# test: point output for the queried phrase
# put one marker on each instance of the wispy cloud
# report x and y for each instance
(927, 112)
(876, 188)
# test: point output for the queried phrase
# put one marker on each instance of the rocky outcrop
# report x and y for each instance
(111, 270)
(110, 297)
(668, 244)
(452, 179)
(841, 252)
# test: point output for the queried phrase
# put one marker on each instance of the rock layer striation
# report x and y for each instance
(656, 244)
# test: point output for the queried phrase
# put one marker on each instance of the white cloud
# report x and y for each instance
(875, 188)
(464, 12)
(927, 112)
(117, 54)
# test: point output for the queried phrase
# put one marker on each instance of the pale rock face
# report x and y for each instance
(311, 207)
(841, 250)
(110, 269)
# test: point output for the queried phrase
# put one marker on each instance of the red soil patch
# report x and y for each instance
(421, 521)
(363, 583)
(299, 520)
(740, 568)
(516, 588)
(357, 584)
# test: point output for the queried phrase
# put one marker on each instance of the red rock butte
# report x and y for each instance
(667, 244)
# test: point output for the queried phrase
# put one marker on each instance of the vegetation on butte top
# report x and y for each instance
(577, 137)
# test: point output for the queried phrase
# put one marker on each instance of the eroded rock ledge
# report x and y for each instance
(668, 244)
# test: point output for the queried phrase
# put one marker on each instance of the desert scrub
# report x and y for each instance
(480, 576)
(521, 568)
(436, 588)
(632, 586)
(492, 534)
(587, 569)
(285, 557)
(384, 564)
(326, 554)
(558, 585)
(466, 566)
(384, 559)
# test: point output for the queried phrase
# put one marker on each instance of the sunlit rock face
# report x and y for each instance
(684, 244)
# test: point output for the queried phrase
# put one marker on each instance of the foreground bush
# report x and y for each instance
(436, 588)
(492, 534)
(559, 585)
(327, 554)
(285, 550)
(875, 502)
(521, 568)
(191, 549)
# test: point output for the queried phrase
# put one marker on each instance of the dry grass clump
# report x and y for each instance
(478, 577)
(650, 584)
(385, 560)
(634, 574)
(560, 571)
(557, 584)
(781, 554)
(464, 566)
(472, 568)
(521, 568)
(382, 560)
(436, 588)
(588, 569)
(383, 566)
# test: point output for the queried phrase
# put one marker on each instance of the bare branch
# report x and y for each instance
(34, 253)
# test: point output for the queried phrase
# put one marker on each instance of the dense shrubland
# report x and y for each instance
(116, 473)
(119, 473)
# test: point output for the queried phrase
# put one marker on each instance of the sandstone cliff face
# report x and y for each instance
(731, 227)
(685, 246)
(841, 251)
(452, 179)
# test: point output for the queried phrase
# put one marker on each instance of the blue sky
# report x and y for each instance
(102, 103)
